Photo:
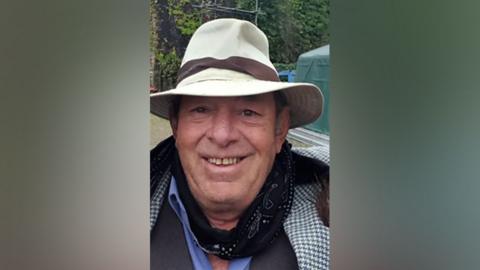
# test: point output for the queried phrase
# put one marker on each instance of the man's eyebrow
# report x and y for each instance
(250, 98)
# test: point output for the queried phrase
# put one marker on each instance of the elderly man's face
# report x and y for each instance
(227, 146)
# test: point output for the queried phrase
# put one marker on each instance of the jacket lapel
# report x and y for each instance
(278, 256)
(168, 247)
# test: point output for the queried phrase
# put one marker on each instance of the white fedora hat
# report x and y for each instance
(229, 58)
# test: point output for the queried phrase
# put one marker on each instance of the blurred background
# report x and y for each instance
(75, 134)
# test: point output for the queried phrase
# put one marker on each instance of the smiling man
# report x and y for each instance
(227, 147)
(227, 191)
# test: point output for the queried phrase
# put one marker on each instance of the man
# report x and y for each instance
(227, 192)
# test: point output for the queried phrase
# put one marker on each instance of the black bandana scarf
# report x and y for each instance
(261, 222)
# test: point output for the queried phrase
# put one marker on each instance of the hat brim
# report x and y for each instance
(305, 100)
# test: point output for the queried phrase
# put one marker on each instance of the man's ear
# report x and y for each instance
(281, 128)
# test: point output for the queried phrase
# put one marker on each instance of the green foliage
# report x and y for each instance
(292, 26)
(169, 63)
(187, 21)
(280, 66)
(246, 4)
(153, 22)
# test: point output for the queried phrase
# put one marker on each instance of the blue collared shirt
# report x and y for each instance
(199, 258)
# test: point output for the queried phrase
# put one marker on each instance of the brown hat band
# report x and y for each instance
(248, 66)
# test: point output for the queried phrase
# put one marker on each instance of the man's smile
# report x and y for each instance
(224, 161)
(224, 166)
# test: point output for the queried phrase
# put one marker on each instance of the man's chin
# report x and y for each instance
(222, 180)
(226, 200)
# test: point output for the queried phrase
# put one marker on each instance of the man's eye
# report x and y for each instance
(249, 113)
(199, 110)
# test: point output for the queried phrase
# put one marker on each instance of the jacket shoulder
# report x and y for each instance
(309, 237)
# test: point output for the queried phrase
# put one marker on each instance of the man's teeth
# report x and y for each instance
(223, 161)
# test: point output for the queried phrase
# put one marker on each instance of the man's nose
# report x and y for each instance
(223, 129)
